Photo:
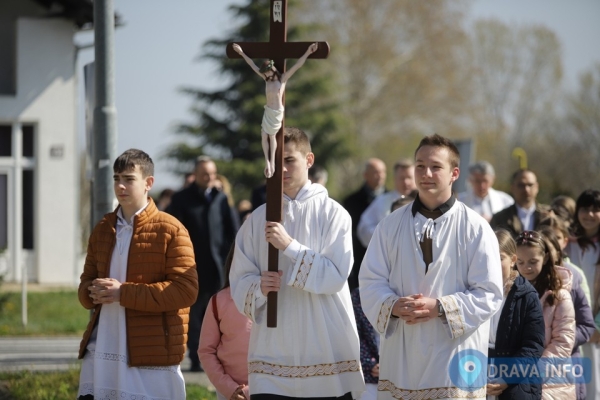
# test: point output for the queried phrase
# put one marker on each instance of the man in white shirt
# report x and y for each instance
(482, 198)
(525, 213)
(430, 282)
(404, 184)
(314, 352)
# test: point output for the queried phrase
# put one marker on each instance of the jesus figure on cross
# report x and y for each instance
(275, 88)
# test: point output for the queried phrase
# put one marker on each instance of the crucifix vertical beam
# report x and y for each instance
(278, 49)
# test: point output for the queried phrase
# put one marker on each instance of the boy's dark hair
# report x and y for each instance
(440, 141)
(132, 157)
(297, 137)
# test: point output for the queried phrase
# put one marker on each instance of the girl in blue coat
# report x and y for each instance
(517, 330)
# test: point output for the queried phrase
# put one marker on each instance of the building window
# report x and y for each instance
(28, 146)
(8, 56)
(3, 211)
(5, 140)
(28, 192)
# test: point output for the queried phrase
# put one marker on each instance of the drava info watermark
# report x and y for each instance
(471, 370)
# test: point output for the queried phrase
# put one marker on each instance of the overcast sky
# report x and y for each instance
(156, 54)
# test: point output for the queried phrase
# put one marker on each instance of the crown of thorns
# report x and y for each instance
(267, 66)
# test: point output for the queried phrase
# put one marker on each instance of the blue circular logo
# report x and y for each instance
(468, 370)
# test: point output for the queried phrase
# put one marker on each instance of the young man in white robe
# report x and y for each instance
(430, 282)
(314, 350)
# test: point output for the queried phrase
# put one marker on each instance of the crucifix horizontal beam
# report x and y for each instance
(280, 50)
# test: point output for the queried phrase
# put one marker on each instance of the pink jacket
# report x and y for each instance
(559, 320)
(223, 348)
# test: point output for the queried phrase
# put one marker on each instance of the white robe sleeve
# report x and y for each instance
(376, 296)
(466, 311)
(245, 275)
(325, 271)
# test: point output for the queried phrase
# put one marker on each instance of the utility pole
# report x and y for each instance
(104, 142)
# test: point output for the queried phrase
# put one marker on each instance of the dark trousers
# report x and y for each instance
(266, 396)
(197, 312)
(210, 283)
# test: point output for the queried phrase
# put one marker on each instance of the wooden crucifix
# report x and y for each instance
(276, 49)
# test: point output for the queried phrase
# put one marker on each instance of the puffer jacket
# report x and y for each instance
(559, 320)
(161, 285)
(520, 334)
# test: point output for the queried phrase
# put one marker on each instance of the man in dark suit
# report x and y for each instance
(526, 213)
(212, 225)
(356, 203)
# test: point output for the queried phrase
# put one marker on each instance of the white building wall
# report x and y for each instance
(46, 97)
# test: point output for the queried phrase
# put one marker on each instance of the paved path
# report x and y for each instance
(59, 353)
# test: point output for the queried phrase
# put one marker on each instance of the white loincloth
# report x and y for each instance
(272, 120)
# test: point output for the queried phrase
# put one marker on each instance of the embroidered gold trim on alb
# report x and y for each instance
(384, 313)
(455, 321)
(303, 272)
(259, 367)
(250, 300)
(432, 393)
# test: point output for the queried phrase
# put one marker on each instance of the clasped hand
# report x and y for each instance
(415, 308)
(105, 291)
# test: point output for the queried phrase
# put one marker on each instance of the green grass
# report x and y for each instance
(49, 313)
(52, 313)
(63, 385)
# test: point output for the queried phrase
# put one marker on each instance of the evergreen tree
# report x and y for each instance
(227, 121)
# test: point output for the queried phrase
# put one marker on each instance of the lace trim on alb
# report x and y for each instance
(112, 394)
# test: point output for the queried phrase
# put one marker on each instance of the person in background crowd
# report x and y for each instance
(535, 262)
(584, 251)
(564, 207)
(223, 349)
(481, 196)
(244, 209)
(584, 320)
(164, 199)
(212, 224)
(259, 196)
(525, 213)
(404, 184)
(369, 348)
(356, 203)
(560, 230)
(224, 186)
(188, 179)
(517, 330)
